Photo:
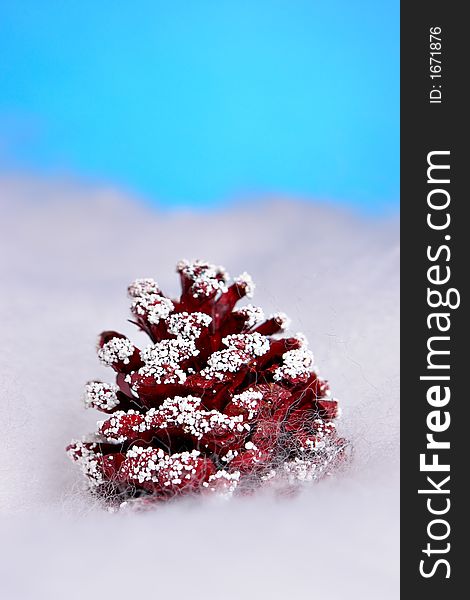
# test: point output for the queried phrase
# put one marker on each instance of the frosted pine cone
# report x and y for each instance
(217, 402)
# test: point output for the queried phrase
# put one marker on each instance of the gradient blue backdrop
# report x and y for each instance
(196, 102)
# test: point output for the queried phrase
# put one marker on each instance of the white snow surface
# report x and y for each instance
(67, 253)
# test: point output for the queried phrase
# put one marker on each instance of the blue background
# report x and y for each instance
(199, 102)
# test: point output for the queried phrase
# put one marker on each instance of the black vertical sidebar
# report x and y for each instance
(433, 119)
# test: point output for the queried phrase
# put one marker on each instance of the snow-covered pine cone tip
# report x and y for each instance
(217, 402)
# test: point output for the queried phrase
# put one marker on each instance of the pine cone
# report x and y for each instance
(217, 402)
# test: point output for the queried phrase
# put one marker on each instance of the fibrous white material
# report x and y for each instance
(347, 304)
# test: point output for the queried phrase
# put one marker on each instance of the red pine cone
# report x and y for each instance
(217, 401)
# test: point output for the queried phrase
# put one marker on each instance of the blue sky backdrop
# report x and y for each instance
(196, 102)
